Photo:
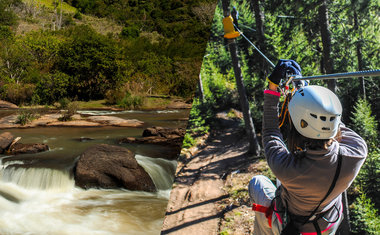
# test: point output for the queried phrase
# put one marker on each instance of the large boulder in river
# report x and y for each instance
(19, 148)
(6, 140)
(107, 166)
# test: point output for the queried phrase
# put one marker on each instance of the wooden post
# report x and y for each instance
(254, 146)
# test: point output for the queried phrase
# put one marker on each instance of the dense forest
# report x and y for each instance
(323, 37)
(55, 49)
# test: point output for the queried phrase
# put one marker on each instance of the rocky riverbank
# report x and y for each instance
(77, 120)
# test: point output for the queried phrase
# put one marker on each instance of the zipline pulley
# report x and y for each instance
(229, 30)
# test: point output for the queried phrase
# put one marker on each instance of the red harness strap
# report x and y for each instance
(266, 210)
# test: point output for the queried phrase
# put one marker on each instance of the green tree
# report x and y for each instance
(51, 87)
(366, 126)
(364, 216)
(364, 123)
(93, 62)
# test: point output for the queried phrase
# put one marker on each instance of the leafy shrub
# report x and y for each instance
(130, 32)
(5, 32)
(78, 15)
(188, 141)
(114, 96)
(63, 103)
(72, 108)
(7, 16)
(221, 92)
(130, 101)
(364, 216)
(199, 118)
(26, 116)
(19, 93)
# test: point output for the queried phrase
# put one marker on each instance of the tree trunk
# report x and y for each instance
(359, 54)
(254, 146)
(326, 42)
(259, 17)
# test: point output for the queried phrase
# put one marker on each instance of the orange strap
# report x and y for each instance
(266, 210)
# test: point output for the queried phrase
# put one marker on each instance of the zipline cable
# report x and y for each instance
(266, 58)
(367, 73)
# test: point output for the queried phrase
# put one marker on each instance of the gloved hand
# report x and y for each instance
(283, 67)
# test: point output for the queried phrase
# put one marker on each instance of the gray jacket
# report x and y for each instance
(306, 180)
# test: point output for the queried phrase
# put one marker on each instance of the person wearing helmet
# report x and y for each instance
(318, 162)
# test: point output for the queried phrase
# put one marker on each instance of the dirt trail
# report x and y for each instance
(210, 189)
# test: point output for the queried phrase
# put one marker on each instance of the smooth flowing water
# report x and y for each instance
(38, 193)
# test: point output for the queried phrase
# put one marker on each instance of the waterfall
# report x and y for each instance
(34, 177)
(160, 170)
(35, 200)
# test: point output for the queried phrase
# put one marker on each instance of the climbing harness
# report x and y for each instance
(268, 211)
(313, 217)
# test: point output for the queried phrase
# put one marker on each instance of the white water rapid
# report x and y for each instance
(45, 201)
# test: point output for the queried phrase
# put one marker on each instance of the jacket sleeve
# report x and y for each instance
(351, 144)
(279, 159)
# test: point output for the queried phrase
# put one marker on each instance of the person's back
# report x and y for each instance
(307, 175)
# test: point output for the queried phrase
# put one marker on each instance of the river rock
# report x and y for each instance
(19, 148)
(107, 166)
(6, 139)
(115, 121)
(170, 137)
(164, 132)
(179, 104)
(84, 139)
(7, 105)
(159, 135)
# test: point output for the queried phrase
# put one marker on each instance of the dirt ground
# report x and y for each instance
(210, 193)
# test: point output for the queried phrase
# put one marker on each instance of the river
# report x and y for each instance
(42, 198)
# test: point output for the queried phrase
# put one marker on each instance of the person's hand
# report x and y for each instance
(282, 68)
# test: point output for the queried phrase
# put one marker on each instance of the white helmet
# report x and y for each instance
(315, 112)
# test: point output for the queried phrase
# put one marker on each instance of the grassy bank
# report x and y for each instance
(148, 103)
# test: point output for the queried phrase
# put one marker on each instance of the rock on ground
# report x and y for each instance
(7, 105)
(107, 166)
